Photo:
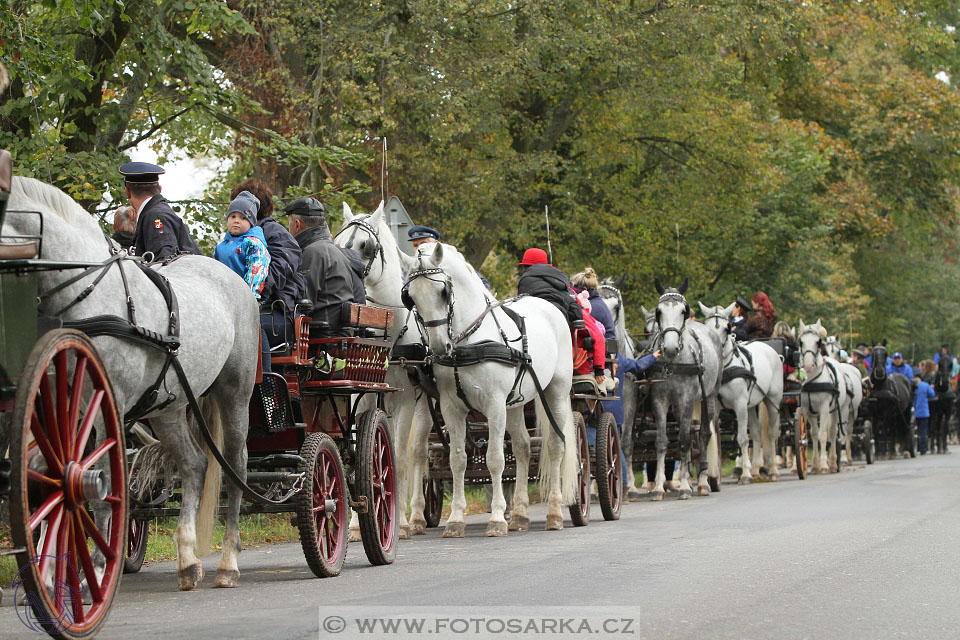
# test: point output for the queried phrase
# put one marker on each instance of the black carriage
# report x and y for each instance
(310, 452)
(62, 465)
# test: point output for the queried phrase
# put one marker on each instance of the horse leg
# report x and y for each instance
(630, 393)
(558, 453)
(771, 438)
(418, 460)
(496, 425)
(173, 432)
(660, 415)
(706, 434)
(831, 439)
(743, 439)
(684, 438)
(756, 437)
(520, 443)
(234, 418)
(813, 434)
(400, 406)
(455, 419)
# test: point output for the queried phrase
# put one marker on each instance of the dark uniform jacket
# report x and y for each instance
(161, 231)
(357, 266)
(738, 326)
(547, 282)
(329, 278)
(284, 280)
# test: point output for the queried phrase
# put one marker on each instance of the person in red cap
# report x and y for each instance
(541, 279)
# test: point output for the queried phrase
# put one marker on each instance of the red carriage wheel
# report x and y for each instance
(433, 501)
(376, 480)
(800, 445)
(322, 506)
(69, 499)
(609, 471)
(580, 510)
(137, 535)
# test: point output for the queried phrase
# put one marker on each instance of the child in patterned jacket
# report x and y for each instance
(244, 249)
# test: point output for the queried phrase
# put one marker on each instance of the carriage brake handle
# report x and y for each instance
(359, 505)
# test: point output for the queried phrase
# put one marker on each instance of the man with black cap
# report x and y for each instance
(422, 235)
(159, 230)
(326, 270)
(738, 320)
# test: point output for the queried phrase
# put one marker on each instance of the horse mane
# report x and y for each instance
(54, 200)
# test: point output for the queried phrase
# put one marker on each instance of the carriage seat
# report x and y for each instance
(12, 248)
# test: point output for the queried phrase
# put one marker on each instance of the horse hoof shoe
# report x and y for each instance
(685, 494)
(454, 530)
(190, 577)
(496, 529)
(658, 495)
(418, 528)
(703, 491)
(554, 522)
(227, 579)
(519, 523)
(775, 477)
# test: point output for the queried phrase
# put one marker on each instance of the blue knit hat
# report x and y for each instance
(247, 205)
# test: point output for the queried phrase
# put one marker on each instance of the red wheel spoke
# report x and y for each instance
(60, 570)
(73, 577)
(36, 476)
(49, 415)
(53, 530)
(85, 560)
(53, 500)
(76, 393)
(91, 528)
(91, 459)
(113, 500)
(87, 427)
(63, 398)
(40, 437)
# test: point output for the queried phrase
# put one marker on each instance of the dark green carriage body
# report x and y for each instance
(18, 325)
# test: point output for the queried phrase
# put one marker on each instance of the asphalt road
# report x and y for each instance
(873, 552)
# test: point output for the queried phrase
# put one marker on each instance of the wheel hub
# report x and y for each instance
(83, 485)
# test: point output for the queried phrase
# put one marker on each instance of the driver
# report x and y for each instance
(159, 230)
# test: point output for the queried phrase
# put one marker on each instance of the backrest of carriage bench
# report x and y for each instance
(6, 181)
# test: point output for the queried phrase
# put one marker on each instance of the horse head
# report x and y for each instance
(611, 296)
(671, 317)
(369, 236)
(832, 347)
(810, 341)
(718, 320)
(878, 364)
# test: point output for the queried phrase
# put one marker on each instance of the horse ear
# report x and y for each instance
(682, 289)
(802, 326)
(618, 284)
(377, 216)
(437, 256)
(884, 343)
(656, 283)
(347, 213)
(408, 262)
(643, 310)
(703, 308)
(729, 310)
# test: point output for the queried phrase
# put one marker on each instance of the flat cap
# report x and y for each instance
(419, 232)
(304, 207)
(141, 172)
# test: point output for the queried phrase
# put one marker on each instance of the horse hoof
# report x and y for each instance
(703, 491)
(418, 528)
(793, 472)
(227, 579)
(403, 532)
(658, 495)
(496, 529)
(189, 578)
(454, 530)
(633, 495)
(685, 494)
(763, 473)
(554, 522)
(774, 478)
(834, 468)
(737, 472)
(519, 523)
(355, 535)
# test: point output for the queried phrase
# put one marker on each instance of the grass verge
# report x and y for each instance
(256, 530)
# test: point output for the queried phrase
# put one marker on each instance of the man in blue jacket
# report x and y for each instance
(897, 365)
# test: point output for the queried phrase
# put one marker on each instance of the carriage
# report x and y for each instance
(310, 450)
(603, 458)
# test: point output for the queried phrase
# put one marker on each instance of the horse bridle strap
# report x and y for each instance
(369, 228)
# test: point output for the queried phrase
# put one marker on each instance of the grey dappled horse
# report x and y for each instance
(753, 377)
(219, 335)
(691, 368)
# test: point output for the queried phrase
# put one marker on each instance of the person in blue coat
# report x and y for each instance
(921, 410)
(897, 365)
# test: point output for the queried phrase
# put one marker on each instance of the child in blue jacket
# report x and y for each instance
(921, 410)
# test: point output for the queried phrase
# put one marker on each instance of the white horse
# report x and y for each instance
(753, 375)
(218, 333)
(833, 348)
(453, 306)
(830, 397)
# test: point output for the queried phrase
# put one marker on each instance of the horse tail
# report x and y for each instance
(569, 462)
(210, 499)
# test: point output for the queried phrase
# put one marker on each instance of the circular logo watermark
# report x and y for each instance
(65, 598)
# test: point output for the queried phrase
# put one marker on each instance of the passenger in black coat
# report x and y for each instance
(545, 281)
(356, 264)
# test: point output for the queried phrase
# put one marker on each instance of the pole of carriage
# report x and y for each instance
(546, 213)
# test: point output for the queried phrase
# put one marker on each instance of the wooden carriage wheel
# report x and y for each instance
(137, 535)
(69, 496)
(433, 501)
(800, 444)
(322, 506)
(869, 448)
(609, 467)
(376, 480)
(580, 510)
